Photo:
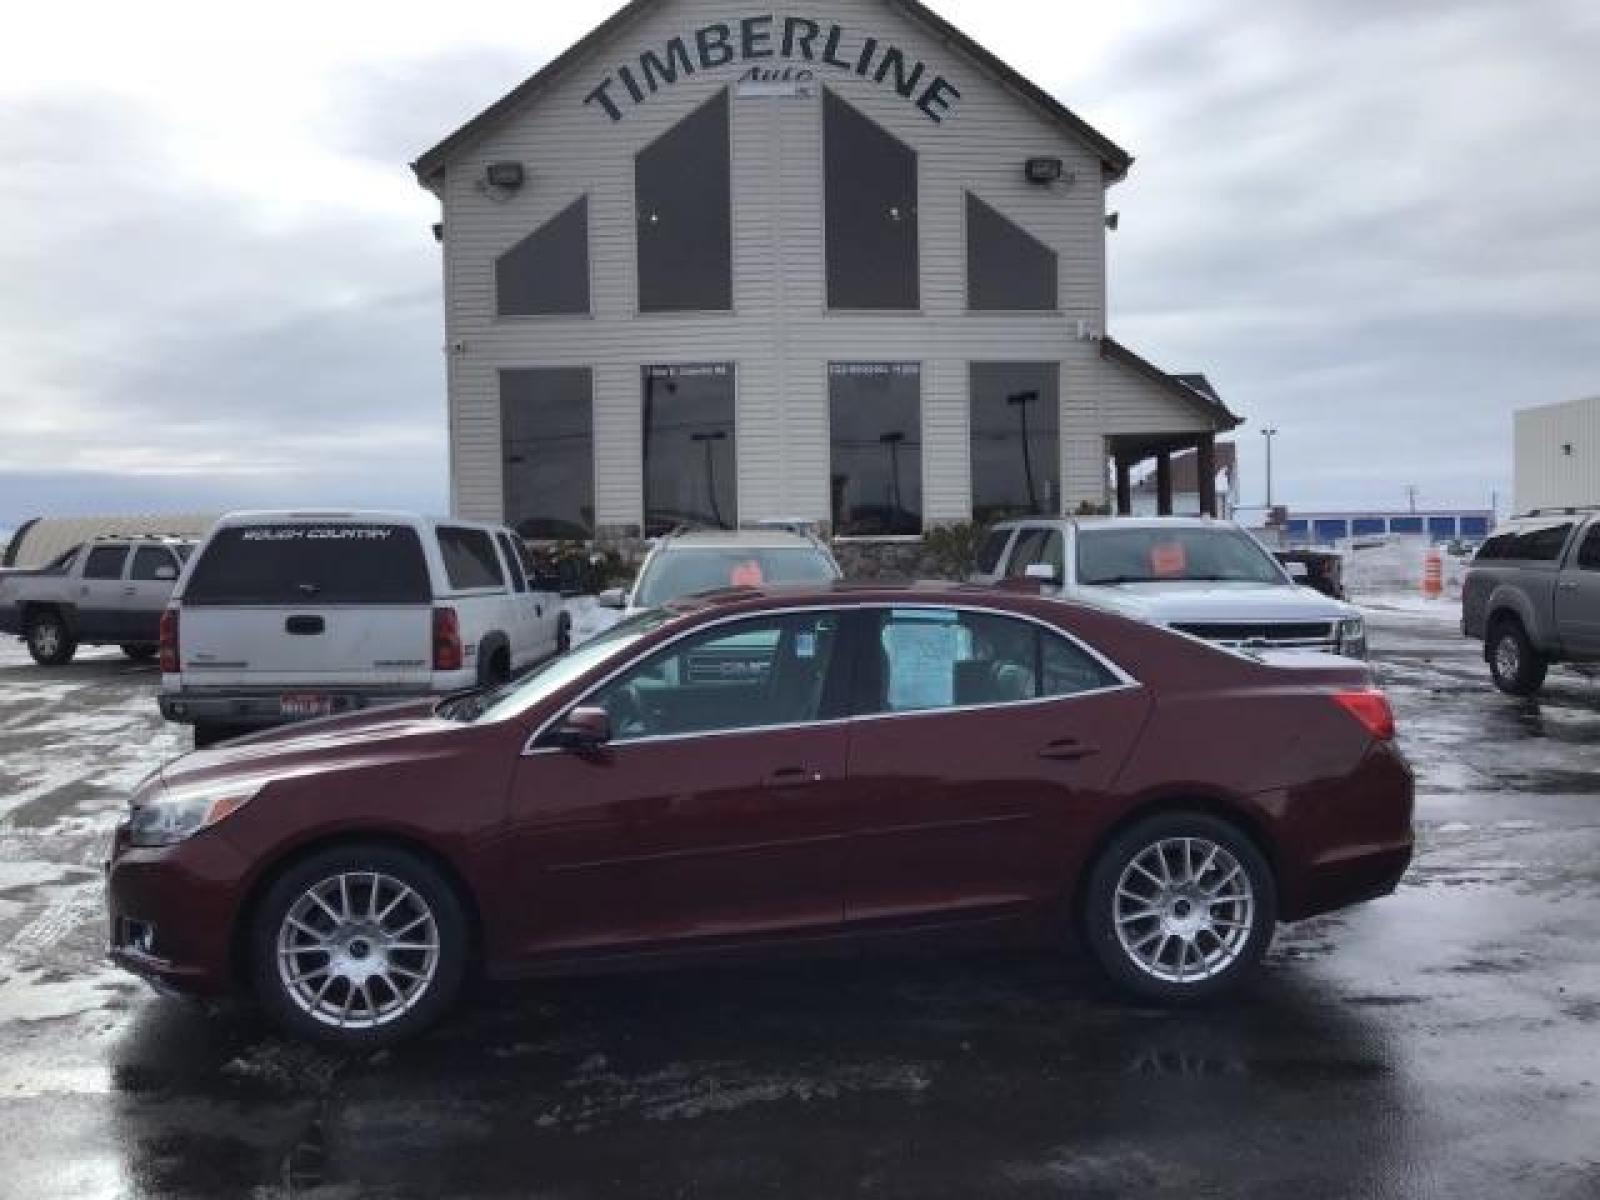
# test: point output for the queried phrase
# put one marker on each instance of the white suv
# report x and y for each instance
(681, 564)
(1205, 577)
(284, 616)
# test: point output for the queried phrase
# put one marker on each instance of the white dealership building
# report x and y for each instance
(1558, 455)
(720, 264)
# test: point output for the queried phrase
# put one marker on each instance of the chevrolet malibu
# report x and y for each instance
(834, 766)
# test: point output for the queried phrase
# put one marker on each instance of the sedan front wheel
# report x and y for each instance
(359, 947)
(1180, 907)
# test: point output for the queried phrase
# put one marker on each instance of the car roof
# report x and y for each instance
(736, 539)
(1121, 522)
(361, 515)
(845, 594)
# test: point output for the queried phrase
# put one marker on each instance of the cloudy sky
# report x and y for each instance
(1374, 223)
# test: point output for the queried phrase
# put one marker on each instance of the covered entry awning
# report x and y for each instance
(1195, 416)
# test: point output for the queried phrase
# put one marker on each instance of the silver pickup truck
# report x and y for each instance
(108, 592)
(1532, 596)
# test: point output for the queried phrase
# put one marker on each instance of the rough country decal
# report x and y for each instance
(317, 533)
(791, 40)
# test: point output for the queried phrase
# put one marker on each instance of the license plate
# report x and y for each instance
(305, 706)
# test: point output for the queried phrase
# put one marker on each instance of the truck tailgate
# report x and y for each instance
(311, 646)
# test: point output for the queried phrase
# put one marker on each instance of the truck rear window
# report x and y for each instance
(305, 564)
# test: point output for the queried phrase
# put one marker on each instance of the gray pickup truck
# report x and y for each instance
(108, 592)
(1532, 596)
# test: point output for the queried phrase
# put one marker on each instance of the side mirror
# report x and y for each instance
(1042, 573)
(583, 729)
(613, 598)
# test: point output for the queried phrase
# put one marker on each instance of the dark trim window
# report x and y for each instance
(1016, 440)
(547, 448)
(470, 560)
(685, 214)
(689, 452)
(148, 562)
(278, 565)
(105, 562)
(547, 272)
(1589, 552)
(519, 580)
(873, 260)
(876, 448)
(1008, 269)
(1541, 544)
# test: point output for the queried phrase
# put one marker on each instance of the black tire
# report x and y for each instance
(1518, 669)
(50, 641)
(140, 653)
(1229, 964)
(433, 997)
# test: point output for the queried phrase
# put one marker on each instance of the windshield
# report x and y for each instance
(551, 676)
(1153, 555)
(677, 573)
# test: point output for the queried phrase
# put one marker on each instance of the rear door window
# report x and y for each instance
(469, 559)
(105, 562)
(1589, 552)
(148, 562)
(1026, 552)
(302, 564)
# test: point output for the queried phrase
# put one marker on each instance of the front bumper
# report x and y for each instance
(263, 708)
(170, 911)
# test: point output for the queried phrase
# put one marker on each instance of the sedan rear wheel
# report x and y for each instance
(1181, 906)
(359, 947)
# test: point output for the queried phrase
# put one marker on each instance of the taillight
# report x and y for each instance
(447, 655)
(169, 642)
(1371, 708)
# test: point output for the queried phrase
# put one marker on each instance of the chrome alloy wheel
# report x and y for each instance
(1184, 910)
(358, 950)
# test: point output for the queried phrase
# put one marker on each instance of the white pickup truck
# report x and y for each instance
(108, 592)
(1204, 577)
(284, 616)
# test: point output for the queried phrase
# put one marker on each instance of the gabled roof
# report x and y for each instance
(1114, 160)
(1194, 390)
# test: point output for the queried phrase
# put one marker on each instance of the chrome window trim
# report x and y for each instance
(1124, 681)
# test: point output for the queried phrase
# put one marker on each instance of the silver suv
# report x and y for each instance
(1532, 596)
(682, 564)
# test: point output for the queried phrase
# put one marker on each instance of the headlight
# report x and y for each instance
(1353, 637)
(168, 820)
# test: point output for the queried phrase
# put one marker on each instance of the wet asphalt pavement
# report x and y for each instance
(1441, 1042)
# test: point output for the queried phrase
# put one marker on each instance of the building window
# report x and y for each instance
(681, 188)
(871, 213)
(547, 443)
(1016, 440)
(1008, 269)
(689, 451)
(876, 473)
(547, 272)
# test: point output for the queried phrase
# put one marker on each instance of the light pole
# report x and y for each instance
(893, 441)
(1269, 434)
(1020, 402)
(708, 440)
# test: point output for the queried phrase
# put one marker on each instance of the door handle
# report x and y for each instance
(305, 626)
(1568, 586)
(1068, 750)
(791, 776)
(129, 591)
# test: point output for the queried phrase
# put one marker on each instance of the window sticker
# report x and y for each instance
(805, 645)
(922, 657)
(746, 574)
(1168, 560)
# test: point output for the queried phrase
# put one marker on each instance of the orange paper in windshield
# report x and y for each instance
(747, 574)
(1167, 560)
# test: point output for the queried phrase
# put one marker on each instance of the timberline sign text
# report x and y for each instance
(792, 40)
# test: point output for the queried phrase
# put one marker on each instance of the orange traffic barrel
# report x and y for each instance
(1433, 575)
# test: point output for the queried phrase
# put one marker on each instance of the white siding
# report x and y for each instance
(1547, 475)
(780, 333)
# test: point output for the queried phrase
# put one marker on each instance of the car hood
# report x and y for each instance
(1178, 602)
(314, 747)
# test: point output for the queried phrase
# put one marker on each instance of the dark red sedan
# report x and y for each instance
(835, 767)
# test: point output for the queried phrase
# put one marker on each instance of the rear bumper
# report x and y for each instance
(262, 708)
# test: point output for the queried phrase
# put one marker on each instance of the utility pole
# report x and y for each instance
(1269, 434)
(1411, 496)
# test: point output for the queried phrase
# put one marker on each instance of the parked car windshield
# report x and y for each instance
(1153, 555)
(551, 676)
(678, 573)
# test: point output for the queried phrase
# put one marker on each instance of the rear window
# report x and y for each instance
(311, 564)
(1543, 544)
(469, 559)
(105, 562)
